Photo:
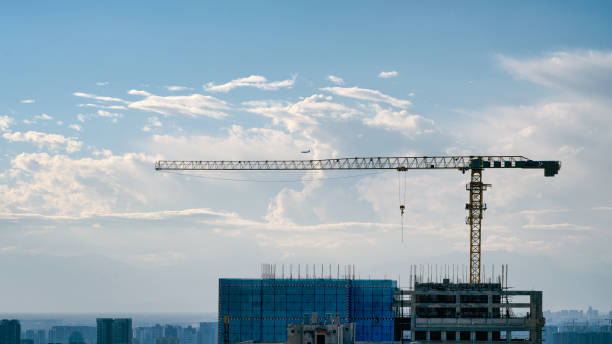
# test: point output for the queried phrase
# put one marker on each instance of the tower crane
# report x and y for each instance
(476, 164)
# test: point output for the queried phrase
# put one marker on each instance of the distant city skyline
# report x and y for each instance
(91, 95)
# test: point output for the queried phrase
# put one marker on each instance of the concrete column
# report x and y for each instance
(457, 336)
(458, 302)
(428, 338)
(490, 336)
(472, 336)
(443, 336)
(489, 307)
(508, 335)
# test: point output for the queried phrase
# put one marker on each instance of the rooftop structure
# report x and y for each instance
(321, 331)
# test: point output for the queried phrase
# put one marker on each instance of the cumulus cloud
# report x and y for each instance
(237, 143)
(190, 105)
(387, 75)
(401, 121)
(5, 122)
(304, 112)
(101, 83)
(586, 72)
(58, 185)
(335, 79)
(28, 101)
(44, 140)
(255, 81)
(367, 94)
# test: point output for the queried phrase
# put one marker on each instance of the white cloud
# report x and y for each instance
(100, 98)
(75, 127)
(51, 141)
(191, 105)
(44, 117)
(5, 122)
(335, 79)
(139, 93)
(557, 226)
(178, 88)
(101, 83)
(57, 185)
(152, 122)
(143, 215)
(81, 118)
(368, 94)
(28, 101)
(238, 144)
(587, 73)
(401, 121)
(99, 106)
(302, 113)
(107, 114)
(386, 75)
(255, 81)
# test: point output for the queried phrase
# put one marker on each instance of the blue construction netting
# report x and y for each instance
(261, 309)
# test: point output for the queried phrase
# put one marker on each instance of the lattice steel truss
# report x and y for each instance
(475, 209)
(463, 163)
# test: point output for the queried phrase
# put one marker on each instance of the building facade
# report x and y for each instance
(466, 312)
(207, 333)
(114, 331)
(260, 310)
(10, 332)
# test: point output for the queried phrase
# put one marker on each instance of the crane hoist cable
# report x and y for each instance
(401, 196)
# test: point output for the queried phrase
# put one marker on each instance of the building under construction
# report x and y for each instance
(260, 310)
(439, 309)
(468, 312)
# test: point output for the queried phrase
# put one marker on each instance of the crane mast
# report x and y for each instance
(475, 163)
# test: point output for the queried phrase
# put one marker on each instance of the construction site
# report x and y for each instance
(443, 305)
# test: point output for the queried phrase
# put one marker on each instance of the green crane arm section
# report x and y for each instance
(462, 163)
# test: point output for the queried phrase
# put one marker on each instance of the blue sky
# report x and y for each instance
(91, 95)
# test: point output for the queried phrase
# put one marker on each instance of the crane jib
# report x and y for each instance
(463, 163)
(475, 164)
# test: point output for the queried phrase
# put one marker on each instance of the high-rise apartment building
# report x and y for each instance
(114, 331)
(10, 332)
(61, 334)
(188, 335)
(207, 333)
